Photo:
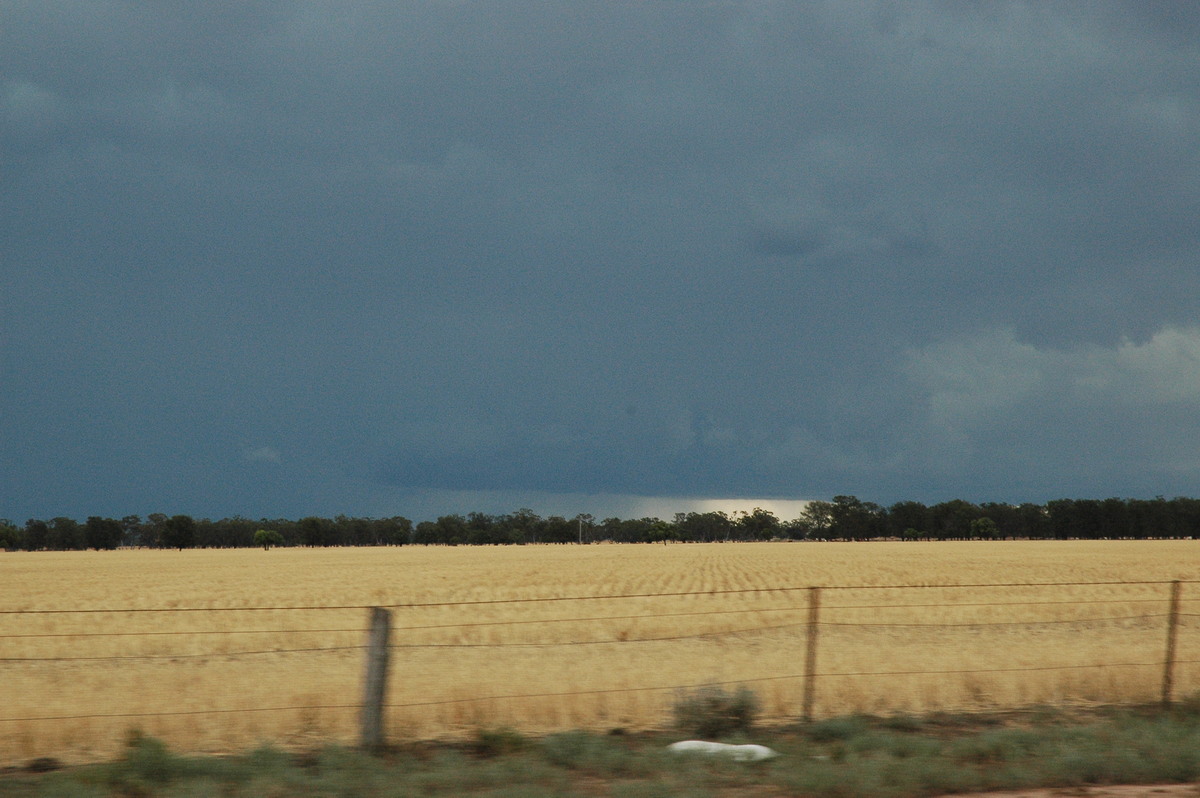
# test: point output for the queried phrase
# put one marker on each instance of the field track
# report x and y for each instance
(217, 650)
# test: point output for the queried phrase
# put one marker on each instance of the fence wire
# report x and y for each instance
(600, 597)
(708, 634)
(712, 634)
(607, 691)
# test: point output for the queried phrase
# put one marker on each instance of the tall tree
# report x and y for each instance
(1061, 516)
(65, 535)
(11, 536)
(854, 519)
(102, 533)
(131, 530)
(1034, 521)
(316, 531)
(984, 529)
(426, 533)
(557, 529)
(394, 531)
(903, 516)
(523, 525)
(37, 534)
(704, 527)
(953, 519)
(817, 519)
(758, 524)
(179, 532)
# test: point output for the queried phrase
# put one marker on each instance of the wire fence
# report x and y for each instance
(1108, 641)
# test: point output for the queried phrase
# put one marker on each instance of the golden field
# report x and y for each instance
(235, 667)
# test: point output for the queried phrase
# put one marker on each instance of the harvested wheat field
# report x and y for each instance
(217, 650)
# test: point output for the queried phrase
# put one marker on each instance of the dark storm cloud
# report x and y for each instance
(284, 258)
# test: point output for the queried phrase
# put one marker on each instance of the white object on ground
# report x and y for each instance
(738, 753)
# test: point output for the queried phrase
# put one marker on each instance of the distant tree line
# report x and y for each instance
(843, 518)
(184, 532)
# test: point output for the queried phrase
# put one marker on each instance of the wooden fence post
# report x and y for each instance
(1168, 682)
(375, 687)
(810, 653)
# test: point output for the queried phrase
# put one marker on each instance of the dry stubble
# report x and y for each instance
(546, 664)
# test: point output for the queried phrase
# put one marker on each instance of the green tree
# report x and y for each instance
(903, 516)
(152, 531)
(1114, 518)
(11, 536)
(451, 529)
(1186, 513)
(37, 534)
(952, 519)
(395, 531)
(267, 538)
(704, 527)
(660, 531)
(483, 530)
(759, 524)
(102, 533)
(179, 532)
(1088, 519)
(984, 529)
(447, 530)
(523, 525)
(426, 533)
(65, 535)
(1032, 521)
(131, 530)
(557, 529)
(316, 531)
(632, 530)
(1061, 517)
(817, 519)
(1008, 518)
(854, 519)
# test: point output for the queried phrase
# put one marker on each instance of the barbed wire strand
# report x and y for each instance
(209, 655)
(608, 691)
(769, 628)
(182, 712)
(987, 624)
(604, 597)
(564, 643)
(177, 633)
(792, 676)
(518, 622)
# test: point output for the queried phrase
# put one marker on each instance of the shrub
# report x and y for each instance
(148, 759)
(712, 712)
(842, 728)
(902, 723)
(497, 742)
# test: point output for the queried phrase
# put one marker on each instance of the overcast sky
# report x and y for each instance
(276, 258)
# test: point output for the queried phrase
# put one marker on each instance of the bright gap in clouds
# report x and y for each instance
(666, 507)
(428, 505)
